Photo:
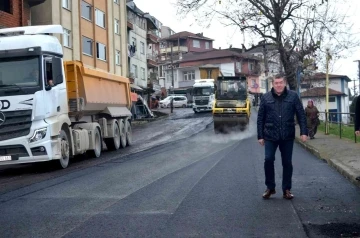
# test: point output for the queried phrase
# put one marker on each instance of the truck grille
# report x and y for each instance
(201, 101)
(18, 150)
(17, 124)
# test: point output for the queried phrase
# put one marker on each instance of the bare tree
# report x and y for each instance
(301, 29)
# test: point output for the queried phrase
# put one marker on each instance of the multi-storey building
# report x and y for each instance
(166, 32)
(172, 50)
(137, 45)
(15, 13)
(95, 32)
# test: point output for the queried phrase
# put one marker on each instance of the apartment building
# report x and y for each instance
(16, 13)
(95, 32)
(137, 45)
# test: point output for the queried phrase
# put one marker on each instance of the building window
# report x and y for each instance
(189, 75)
(86, 10)
(332, 99)
(238, 66)
(5, 6)
(116, 1)
(67, 38)
(207, 45)
(66, 4)
(142, 47)
(100, 51)
(133, 41)
(196, 43)
(117, 57)
(142, 74)
(251, 66)
(134, 70)
(87, 46)
(100, 18)
(117, 26)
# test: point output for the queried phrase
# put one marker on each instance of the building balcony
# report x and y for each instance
(152, 60)
(35, 2)
(152, 37)
(130, 24)
(176, 49)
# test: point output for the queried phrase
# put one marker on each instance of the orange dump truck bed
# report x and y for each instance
(91, 91)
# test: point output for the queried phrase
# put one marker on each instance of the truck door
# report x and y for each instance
(53, 84)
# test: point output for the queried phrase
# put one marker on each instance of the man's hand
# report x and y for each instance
(304, 138)
(262, 142)
(357, 133)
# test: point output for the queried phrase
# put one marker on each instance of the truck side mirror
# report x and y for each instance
(48, 87)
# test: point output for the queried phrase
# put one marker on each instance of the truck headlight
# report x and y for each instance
(38, 135)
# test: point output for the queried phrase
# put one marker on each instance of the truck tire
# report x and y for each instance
(65, 150)
(114, 143)
(123, 134)
(95, 153)
(128, 132)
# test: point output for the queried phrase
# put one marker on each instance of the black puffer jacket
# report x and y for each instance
(357, 114)
(276, 116)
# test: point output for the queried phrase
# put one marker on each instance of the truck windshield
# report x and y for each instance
(207, 91)
(231, 90)
(19, 72)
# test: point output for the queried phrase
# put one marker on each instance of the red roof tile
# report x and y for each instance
(185, 35)
(320, 92)
(213, 54)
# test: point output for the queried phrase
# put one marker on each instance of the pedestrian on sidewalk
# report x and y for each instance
(312, 118)
(357, 116)
(276, 128)
(172, 104)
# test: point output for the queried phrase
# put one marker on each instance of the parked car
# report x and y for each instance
(179, 101)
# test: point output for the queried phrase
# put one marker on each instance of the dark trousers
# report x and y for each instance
(286, 149)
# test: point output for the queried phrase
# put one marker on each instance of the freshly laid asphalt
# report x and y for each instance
(204, 185)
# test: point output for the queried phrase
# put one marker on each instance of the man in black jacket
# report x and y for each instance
(276, 128)
(357, 121)
(357, 116)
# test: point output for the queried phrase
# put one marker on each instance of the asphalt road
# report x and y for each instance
(193, 184)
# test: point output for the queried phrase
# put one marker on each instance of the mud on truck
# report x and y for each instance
(232, 107)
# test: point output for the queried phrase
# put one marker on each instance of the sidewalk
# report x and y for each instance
(342, 154)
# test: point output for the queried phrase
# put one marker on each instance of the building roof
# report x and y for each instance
(213, 54)
(186, 34)
(259, 48)
(321, 92)
(322, 76)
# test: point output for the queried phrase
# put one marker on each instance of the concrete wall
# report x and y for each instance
(52, 12)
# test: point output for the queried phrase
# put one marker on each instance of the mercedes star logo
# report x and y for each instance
(2, 118)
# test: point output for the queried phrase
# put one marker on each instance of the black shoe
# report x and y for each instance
(268, 193)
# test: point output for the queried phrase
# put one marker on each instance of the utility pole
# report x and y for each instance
(354, 88)
(172, 66)
(328, 58)
(358, 69)
(266, 66)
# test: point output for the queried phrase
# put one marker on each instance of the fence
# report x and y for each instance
(340, 124)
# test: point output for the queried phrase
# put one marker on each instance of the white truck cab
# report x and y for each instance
(203, 95)
(35, 123)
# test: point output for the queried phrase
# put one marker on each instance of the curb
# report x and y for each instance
(340, 168)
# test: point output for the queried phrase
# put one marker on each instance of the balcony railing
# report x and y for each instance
(176, 49)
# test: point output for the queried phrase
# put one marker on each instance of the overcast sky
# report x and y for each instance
(223, 37)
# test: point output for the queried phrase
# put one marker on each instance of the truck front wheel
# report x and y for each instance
(65, 149)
